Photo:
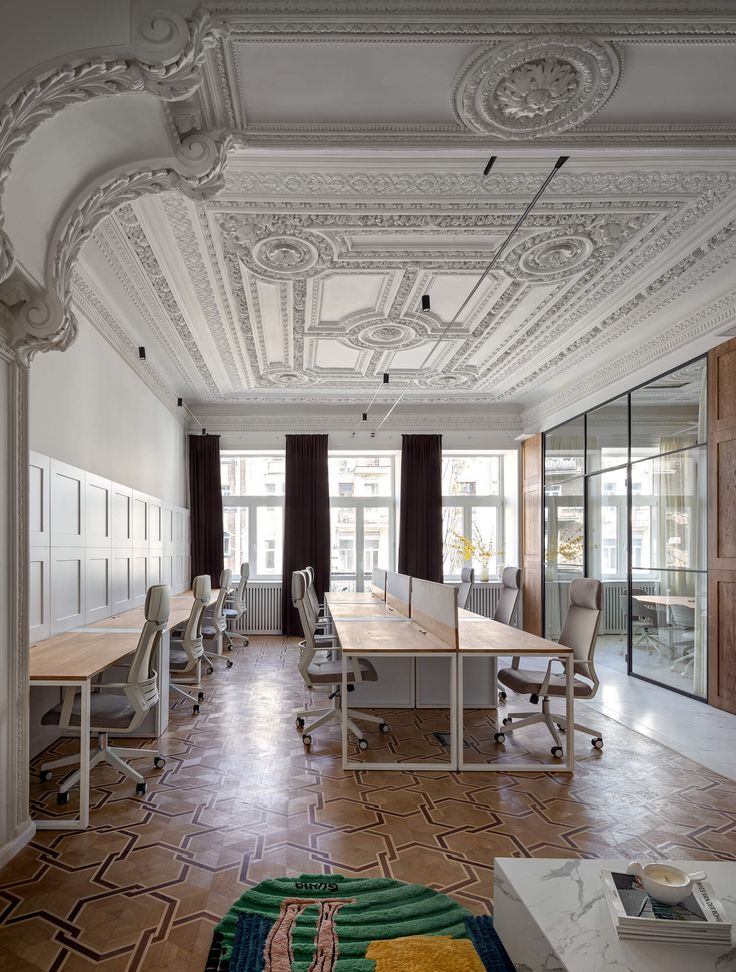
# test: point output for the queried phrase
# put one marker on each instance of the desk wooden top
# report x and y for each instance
(364, 611)
(665, 600)
(494, 637)
(180, 609)
(376, 636)
(353, 597)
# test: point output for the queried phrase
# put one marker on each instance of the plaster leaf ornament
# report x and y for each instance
(537, 86)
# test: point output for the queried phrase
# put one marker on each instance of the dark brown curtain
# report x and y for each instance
(420, 517)
(306, 520)
(205, 500)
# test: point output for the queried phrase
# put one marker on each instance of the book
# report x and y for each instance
(699, 919)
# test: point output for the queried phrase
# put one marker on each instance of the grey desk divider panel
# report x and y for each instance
(378, 583)
(398, 592)
(434, 608)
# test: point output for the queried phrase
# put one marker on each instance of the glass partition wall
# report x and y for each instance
(625, 500)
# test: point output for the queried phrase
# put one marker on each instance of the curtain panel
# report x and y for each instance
(205, 502)
(306, 520)
(420, 517)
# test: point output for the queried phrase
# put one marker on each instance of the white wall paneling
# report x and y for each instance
(98, 511)
(121, 579)
(155, 523)
(38, 500)
(67, 571)
(166, 568)
(140, 575)
(122, 515)
(140, 519)
(154, 567)
(97, 586)
(39, 626)
(67, 495)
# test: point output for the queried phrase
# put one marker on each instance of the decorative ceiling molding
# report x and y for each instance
(182, 45)
(536, 87)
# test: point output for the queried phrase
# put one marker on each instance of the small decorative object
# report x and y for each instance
(665, 882)
(477, 547)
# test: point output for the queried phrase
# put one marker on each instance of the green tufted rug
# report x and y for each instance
(330, 923)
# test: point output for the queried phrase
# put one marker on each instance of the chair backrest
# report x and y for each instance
(641, 610)
(580, 629)
(239, 596)
(299, 598)
(311, 592)
(218, 609)
(467, 578)
(509, 597)
(682, 615)
(191, 640)
(142, 682)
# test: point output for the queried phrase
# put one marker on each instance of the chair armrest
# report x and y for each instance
(544, 688)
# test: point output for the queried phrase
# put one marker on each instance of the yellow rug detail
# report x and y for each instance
(430, 953)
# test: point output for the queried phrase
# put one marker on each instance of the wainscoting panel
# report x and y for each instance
(67, 494)
(97, 585)
(140, 575)
(38, 500)
(98, 503)
(121, 580)
(67, 588)
(122, 515)
(39, 626)
(155, 524)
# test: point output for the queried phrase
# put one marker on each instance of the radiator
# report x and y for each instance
(484, 600)
(263, 610)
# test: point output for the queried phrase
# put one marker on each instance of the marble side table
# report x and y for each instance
(552, 916)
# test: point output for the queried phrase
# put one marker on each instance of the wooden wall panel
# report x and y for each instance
(531, 534)
(722, 526)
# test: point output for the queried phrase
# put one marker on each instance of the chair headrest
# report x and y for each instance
(511, 577)
(309, 571)
(225, 576)
(202, 588)
(298, 585)
(467, 575)
(585, 592)
(157, 603)
(244, 571)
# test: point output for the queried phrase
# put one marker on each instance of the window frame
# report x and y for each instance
(466, 502)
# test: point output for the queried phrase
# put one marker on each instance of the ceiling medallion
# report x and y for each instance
(286, 378)
(549, 256)
(385, 335)
(453, 379)
(536, 86)
(286, 256)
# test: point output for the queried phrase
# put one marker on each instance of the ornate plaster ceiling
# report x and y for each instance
(355, 187)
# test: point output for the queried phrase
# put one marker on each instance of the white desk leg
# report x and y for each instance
(162, 667)
(570, 711)
(460, 719)
(494, 682)
(84, 755)
(344, 710)
(455, 710)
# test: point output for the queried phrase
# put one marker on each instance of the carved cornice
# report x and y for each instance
(46, 321)
(183, 45)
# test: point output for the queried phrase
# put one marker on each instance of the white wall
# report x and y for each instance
(90, 409)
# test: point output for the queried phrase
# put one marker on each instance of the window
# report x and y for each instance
(471, 500)
(253, 512)
(362, 518)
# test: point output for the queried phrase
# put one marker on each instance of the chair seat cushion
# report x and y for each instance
(108, 710)
(178, 660)
(526, 681)
(330, 672)
(231, 613)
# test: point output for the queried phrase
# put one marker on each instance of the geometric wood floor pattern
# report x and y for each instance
(239, 801)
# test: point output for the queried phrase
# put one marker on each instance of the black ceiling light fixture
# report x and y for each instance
(142, 353)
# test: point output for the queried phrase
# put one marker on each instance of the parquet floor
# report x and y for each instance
(239, 801)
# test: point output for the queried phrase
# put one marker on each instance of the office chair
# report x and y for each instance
(683, 624)
(579, 632)
(644, 620)
(318, 609)
(187, 645)
(467, 579)
(509, 597)
(121, 711)
(235, 606)
(214, 627)
(326, 674)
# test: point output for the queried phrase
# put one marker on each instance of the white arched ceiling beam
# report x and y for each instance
(170, 50)
(44, 320)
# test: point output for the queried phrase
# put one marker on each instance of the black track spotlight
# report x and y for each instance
(179, 402)
(489, 164)
(142, 353)
(365, 416)
(385, 377)
(425, 302)
(204, 431)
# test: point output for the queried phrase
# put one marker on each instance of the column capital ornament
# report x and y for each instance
(171, 53)
(46, 321)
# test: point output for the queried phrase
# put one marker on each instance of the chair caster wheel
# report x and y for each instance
(500, 737)
(140, 788)
(62, 797)
(502, 696)
(229, 663)
(507, 721)
(556, 752)
(307, 740)
(195, 709)
(159, 762)
(385, 727)
(597, 743)
(246, 642)
(200, 696)
(210, 670)
(363, 744)
(45, 775)
(300, 723)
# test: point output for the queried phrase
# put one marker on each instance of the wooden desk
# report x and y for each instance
(664, 600)
(364, 631)
(74, 658)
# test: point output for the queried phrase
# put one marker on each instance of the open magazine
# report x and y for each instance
(635, 914)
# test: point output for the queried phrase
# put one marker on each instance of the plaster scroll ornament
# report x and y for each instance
(174, 50)
(46, 321)
(536, 86)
